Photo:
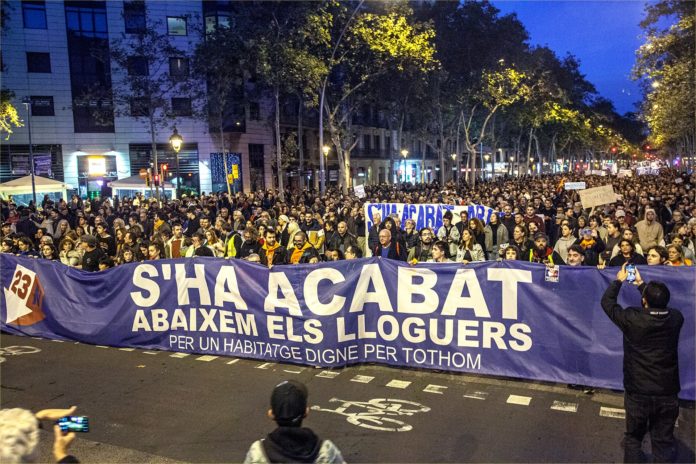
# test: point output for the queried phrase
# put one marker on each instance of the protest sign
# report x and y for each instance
(359, 191)
(575, 185)
(597, 196)
(497, 318)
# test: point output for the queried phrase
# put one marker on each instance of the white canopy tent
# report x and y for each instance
(20, 189)
(128, 186)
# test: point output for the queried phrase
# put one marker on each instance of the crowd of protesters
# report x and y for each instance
(535, 219)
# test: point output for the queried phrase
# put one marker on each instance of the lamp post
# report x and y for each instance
(27, 104)
(404, 154)
(322, 166)
(176, 141)
(454, 159)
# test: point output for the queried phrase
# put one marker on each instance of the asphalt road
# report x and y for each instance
(148, 406)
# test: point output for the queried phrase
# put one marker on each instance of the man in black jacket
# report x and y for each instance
(650, 366)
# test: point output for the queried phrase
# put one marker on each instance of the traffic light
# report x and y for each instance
(614, 149)
(157, 180)
(164, 169)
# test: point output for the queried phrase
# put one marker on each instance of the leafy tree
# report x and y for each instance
(666, 66)
(9, 117)
(143, 86)
(374, 43)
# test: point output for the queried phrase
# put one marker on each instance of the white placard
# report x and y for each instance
(575, 186)
(359, 191)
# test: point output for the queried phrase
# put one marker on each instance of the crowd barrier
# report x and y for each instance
(498, 318)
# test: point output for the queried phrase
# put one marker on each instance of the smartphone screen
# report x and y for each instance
(74, 424)
(631, 270)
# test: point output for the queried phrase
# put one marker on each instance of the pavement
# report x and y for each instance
(163, 407)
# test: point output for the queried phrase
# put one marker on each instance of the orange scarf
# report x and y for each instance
(298, 252)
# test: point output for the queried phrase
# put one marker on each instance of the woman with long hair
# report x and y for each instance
(476, 229)
(61, 230)
(627, 255)
(440, 252)
(469, 250)
(676, 256)
(48, 251)
(215, 243)
(520, 239)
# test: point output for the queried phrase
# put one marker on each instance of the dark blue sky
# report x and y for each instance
(604, 35)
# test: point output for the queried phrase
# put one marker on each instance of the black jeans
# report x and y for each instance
(654, 414)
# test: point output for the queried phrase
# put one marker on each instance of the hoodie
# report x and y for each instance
(293, 444)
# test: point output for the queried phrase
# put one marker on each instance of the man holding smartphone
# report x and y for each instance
(650, 366)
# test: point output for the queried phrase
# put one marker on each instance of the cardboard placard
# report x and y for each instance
(597, 196)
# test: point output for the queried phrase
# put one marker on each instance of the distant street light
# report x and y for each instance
(404, 154)
(27, 104)
(176, 141)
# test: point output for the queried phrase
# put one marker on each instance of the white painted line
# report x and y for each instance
(521, 400)
(328, 374)
(476, 395)
(101, 346)
(207, 358)
(57, 341)
(126, 349)
(37, 338)
(435, 389)
(565, 407)
(150, 352)
(233, 361)
(299, 370)
(264, 366)
(398, 384)
(616, 413)
(179, 355)
(362, 379)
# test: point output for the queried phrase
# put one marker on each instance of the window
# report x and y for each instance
(138, 107)
(366, 141)
(134, 16)
(176, 25)
(137, 66)
(42, 106)
(181, 106)
(377, 142)
(178, 68)
(254, 111)
(212, 22)
(256, 156)
(34, 14)
(84, 19)
(38, 62)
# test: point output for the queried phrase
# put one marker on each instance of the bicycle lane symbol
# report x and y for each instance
(16, 351)
(377, 413)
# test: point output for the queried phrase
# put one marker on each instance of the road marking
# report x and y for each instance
(233, 361)
(101, 346)
(150, 352)
(476, 395)
(521, 400)
(435, 389)
(328, 374)
(126, 349)
(264, 366)
(565, 407)
(37, 338)
(299, 370)
(207, 358)
(179, 355)
(616, 413)
(398, 384)
(57, 341)
(362, 379)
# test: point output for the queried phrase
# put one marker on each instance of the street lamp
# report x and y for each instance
(27, 104)
(404, 154)
(322, 167)
(176, 141)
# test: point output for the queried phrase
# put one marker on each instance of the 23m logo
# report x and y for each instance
(24, 298)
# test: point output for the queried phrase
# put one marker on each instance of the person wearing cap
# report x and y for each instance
(290, 442)
(650, 232)
(542, 252)
(92, 253)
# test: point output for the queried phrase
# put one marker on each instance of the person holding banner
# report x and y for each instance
(440, 252)
(423, 249)
(542, 252)
(650, 366)
(469, 250)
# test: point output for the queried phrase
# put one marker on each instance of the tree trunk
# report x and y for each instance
(279, 157)
(529, 149)
(300, 143)
(155, 162)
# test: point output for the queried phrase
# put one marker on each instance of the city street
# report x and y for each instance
(148, 406)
